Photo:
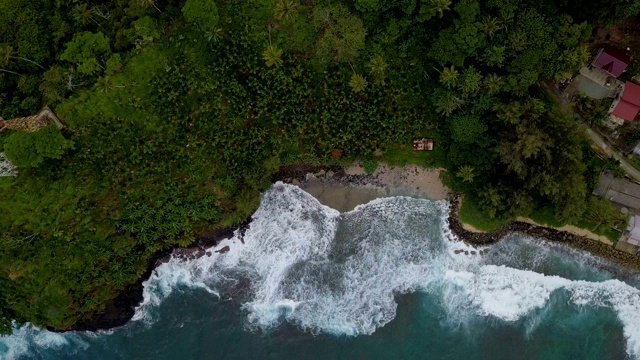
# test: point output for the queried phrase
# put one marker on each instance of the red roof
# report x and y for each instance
(626, 110)
(631, 93)
(629, 106)
(612, 60)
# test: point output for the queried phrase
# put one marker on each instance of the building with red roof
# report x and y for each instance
(612, 60)
(628, 106)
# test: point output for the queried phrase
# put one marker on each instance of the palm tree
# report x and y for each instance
(358, 83)
(185, 240)
(510, 112)
(272, 56)
(439, 6)
(447, 104)
(82, 14)
(285, 10)
(7, 53)
(377, 67)
(518, 40)
(104, 84)
(148, 3)
(493, 83)
(449, 77)
(215, 34)
(491, 25)
(601, 213)
(466, 173)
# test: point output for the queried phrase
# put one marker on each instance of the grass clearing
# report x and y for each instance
(471, 214)
(404, 155)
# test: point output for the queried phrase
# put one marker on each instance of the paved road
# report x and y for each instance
(601, 143)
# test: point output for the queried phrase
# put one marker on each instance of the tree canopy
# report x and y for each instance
(30, 149)
(179, 113)
(85, 51)
(201, 12)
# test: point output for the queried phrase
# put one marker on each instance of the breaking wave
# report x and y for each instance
(306, 264)
(339, 273)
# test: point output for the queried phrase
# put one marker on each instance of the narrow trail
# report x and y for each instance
(601, 143)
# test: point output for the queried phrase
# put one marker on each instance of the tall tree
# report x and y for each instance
(449, 77)
(86, 50)
(341, 34)
(358, 83)
(272, 55)
(286, 10)
(204, 13)
(377, 68)
(31, 149)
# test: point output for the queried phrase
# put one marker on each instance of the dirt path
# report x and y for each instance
(572, 229)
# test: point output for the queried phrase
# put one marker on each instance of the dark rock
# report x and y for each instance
(607, 252)
(223, 250)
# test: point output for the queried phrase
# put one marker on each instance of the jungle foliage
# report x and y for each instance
(179, 112)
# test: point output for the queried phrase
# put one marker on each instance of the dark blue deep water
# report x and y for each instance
(380, 282)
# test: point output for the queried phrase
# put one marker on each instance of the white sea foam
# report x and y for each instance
(322, 270)
(26, 340)
(339, 273)
(507, 293)
(510, 294)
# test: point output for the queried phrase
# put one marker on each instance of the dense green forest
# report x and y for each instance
(179, 112)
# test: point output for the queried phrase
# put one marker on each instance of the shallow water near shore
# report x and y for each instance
(383, 281)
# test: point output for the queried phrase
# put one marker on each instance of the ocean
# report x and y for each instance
(387, 280)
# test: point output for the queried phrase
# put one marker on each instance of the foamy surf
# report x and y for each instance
(322, 270)
(306, 264)
(27, 341)
(511, 294)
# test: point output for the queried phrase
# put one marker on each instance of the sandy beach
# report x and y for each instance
(360, 187)
(571, 229)
(357, 187)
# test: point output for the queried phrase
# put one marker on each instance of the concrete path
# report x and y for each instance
(601, 143)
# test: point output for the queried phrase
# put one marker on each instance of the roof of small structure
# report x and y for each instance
(612, 60)
(631, 93)
(629, 105)
(422, 144)
(618, 190)
(626, 110)
(634, 234)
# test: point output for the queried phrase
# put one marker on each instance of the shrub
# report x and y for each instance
(31, 149)
(201, 12)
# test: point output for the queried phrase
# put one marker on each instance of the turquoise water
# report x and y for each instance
(380, 282)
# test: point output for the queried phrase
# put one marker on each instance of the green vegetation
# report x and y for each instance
(179, 112)
(370, 166)
(31, 149)
(472, 214)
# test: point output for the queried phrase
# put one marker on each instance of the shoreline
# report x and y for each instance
(343, 189)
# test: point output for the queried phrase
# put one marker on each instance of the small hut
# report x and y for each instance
(32, 123)
(423, 144)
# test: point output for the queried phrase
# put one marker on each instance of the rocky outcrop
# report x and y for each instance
(594, 247)
(122, 308)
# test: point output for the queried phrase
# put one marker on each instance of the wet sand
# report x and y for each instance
(358, 187)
